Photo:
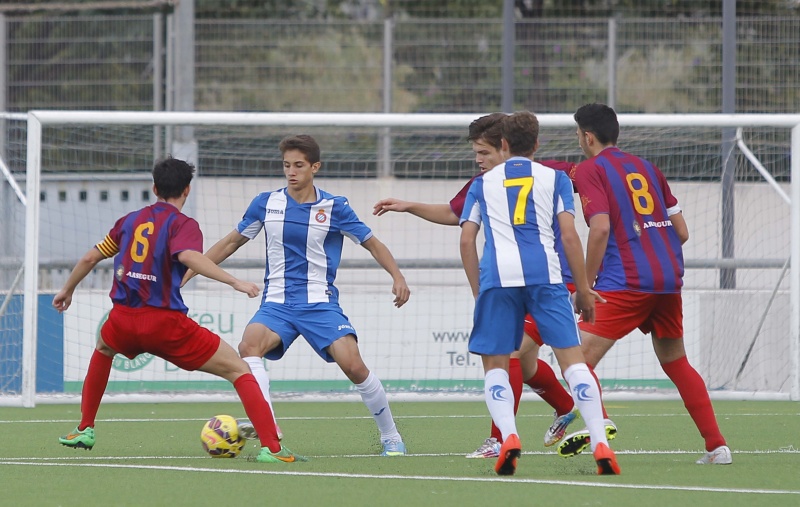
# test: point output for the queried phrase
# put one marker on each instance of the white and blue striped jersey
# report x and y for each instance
(304, 244)
(517, 203)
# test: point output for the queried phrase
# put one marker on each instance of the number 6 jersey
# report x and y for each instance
(146, 244)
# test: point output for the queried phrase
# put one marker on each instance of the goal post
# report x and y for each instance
(84, 168)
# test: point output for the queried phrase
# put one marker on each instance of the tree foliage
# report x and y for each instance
(587, 8)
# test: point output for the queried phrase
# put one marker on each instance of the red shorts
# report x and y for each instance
(626, 310)
(532, 330)
(168, 334)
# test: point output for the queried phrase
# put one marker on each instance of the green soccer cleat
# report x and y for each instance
(282, 456)
(83, 439)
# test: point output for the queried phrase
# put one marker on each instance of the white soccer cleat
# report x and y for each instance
(558, 429)
(248, 431)
(490, 448)
(719, 456)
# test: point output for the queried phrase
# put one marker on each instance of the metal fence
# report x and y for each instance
(653, 65)
(638, 65)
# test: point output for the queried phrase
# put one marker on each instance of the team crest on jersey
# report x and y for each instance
(636, 228)
(321, 217)
(119, 273)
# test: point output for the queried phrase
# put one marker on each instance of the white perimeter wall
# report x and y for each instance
(719, 325)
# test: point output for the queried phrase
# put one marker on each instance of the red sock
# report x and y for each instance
(695, 398)
(258, 411)
(515, 379)
(546, 385)
(94, 385)
(599, 388)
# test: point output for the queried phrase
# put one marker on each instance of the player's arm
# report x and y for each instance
(573, 249)
(435, 213)
(385, 258)
(469, 254)
(679, 224)
(202, 265)
(220, 251)
(596, 243)
(83, 267)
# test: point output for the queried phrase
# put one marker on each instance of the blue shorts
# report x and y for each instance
(500, 315)
(321, 324)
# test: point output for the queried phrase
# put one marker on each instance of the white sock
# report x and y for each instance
(256, 365)
(374, 397)
(500, 401)
(586, 394)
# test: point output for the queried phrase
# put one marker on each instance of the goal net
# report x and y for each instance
(82, 170)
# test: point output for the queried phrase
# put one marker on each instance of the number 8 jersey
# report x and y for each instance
(146, 244)
(644, 252)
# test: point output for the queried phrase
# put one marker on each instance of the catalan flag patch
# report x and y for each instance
(108, 247)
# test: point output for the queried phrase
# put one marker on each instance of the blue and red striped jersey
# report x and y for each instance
(644, 252)
(145, 245)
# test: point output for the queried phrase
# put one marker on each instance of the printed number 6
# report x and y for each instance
(139, 239)
(525, 184)
(642, 200)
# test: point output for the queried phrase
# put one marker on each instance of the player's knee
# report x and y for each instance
(356, 371)
(104, 349)
(253, 348)
(246, 349)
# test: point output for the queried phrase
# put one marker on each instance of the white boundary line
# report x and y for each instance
(394, 396)
(629, 452)
(359, 417)
(417, 478)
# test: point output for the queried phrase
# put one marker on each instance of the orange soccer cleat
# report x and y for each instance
(510, 451)
(606, 461)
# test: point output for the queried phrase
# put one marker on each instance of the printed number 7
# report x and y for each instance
(525, 184)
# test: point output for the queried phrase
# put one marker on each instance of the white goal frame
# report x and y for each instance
(36, 120)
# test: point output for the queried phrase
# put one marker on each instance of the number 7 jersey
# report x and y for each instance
(644, 252)
(518, 203)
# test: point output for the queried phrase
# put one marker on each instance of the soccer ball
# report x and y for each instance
(220, 437)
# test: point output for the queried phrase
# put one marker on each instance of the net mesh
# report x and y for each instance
(736, 335)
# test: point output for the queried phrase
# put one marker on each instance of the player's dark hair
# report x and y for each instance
(171, 176)
(303, 143)
(521, 131)
(600, 120)
(487, 128)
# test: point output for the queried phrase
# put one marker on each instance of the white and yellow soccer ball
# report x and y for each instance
(220, 437)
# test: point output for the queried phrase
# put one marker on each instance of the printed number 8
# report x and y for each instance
(139, 239)
(525, 184)
(642, 200)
